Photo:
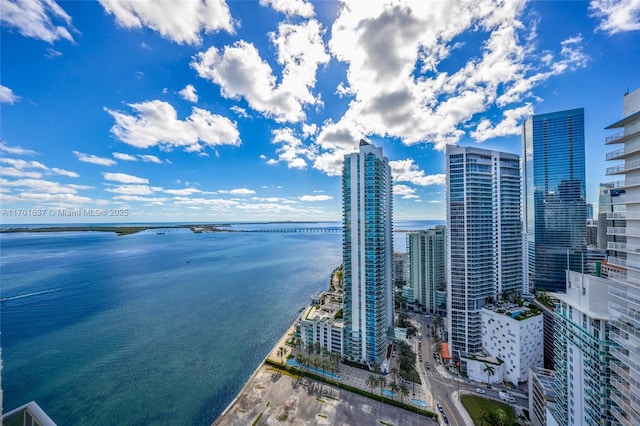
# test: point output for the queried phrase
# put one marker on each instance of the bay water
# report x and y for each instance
(155, 328)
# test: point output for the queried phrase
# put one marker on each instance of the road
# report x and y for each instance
(441, 389)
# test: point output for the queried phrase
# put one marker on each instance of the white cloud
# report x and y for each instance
(180, 21)
(124, 178)
(404, 191)
(408, 171)
(291, 150)
(183, 191)
(14, 172)
(93, 159)
(63, 172)
(157, 123)
(189, 93)
(242, 73)
(16, 150)
(315, 198)
(23, 164)
(402, 84)
(290, 7)
(124, 157)
(134, 189)
(140, 199)
(240, 111)
(52, 53)
(616, 15)
(239, 191)
(35, 18)
(510, 124)
(212, 202)
(7, 96)
(40, 186)
(148, 158)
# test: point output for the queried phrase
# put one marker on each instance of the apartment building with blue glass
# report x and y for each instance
(367, 254)
(484, 238)
(554, 205)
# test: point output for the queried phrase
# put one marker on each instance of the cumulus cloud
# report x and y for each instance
(238, 191)
(189, 93)
(290, 7)
(15, 172)
(40, 19)
(148, 158)
(134, 189)
(180, 21)
(240, 111)
(7, 96)
(315, 198)
(124, 178)
(241, 72)
(94, 159)
(291, 149)
(15, 150)
(124, 157)
(63, 172)
(408, 171)
(405, 191)
(156, 123)
(402, 84)
(183, 191)
(18, 166)
(510, 125)
(23, 164)
(616, 16)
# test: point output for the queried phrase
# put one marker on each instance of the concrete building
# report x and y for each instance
(542, 397)
(484, 238)
(367, 254)
(427, 277)
(554, 204)
(484, 368)
(592, 233)
(624, 307)
(400, 271)
(514, 334)
(612, 215)
(548, 324)
(582, 377)
(322, 324)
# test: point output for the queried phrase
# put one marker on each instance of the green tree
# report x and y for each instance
(403, 390)
(490, 372)
(281, 352)
(372, 381)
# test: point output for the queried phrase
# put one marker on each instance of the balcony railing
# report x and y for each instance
(31, 414)
(629, 148)
(622, 135)
(623, 168)
(617, 216)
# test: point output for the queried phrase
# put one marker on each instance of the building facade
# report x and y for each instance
(484, 238)
(542, 397)
(514, 334)
(367, 254)
(554, 204)
(624, 306)
(427, 277)
(582, 352)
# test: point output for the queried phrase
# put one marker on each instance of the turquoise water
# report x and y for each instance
(148, 329)
(419, 402)
(515, 314)
(387, 392)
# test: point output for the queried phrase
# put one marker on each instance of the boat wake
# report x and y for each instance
(22, 296)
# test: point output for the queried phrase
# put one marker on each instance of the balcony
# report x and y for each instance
(623, 135)
(623, 168)
(28, 414)
(617, 216)
(620, 154)
(623, 231)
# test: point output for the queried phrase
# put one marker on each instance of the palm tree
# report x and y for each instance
(403, 390)
(372, 381)
(394, 387)
(490, 372)
(395, 373)
(281, 352)
(382, 382)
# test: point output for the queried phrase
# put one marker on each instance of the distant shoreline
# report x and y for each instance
(119, 230)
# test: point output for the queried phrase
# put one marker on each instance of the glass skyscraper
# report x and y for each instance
(427, 277)
(367, 254)
(484, 238)
(554, 204)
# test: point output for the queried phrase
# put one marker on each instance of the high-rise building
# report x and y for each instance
(484, 238)
(367, 254)
(582, 347)
(554, 205)
(427, 277)
(399, 269)
(624, 306)
(611, 214)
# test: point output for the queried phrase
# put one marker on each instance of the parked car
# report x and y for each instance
(478, 390)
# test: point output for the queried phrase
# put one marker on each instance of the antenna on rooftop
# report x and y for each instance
(627, 92)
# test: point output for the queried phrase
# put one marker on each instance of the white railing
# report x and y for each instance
(622, 168)
(628, 149)
(628, 131)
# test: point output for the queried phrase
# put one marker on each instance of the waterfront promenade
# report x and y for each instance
(274, 397)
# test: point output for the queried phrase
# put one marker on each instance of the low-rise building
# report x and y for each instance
(483, 368)
(322, 324)
(514, 334)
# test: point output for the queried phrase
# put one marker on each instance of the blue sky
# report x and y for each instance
(206, 110)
